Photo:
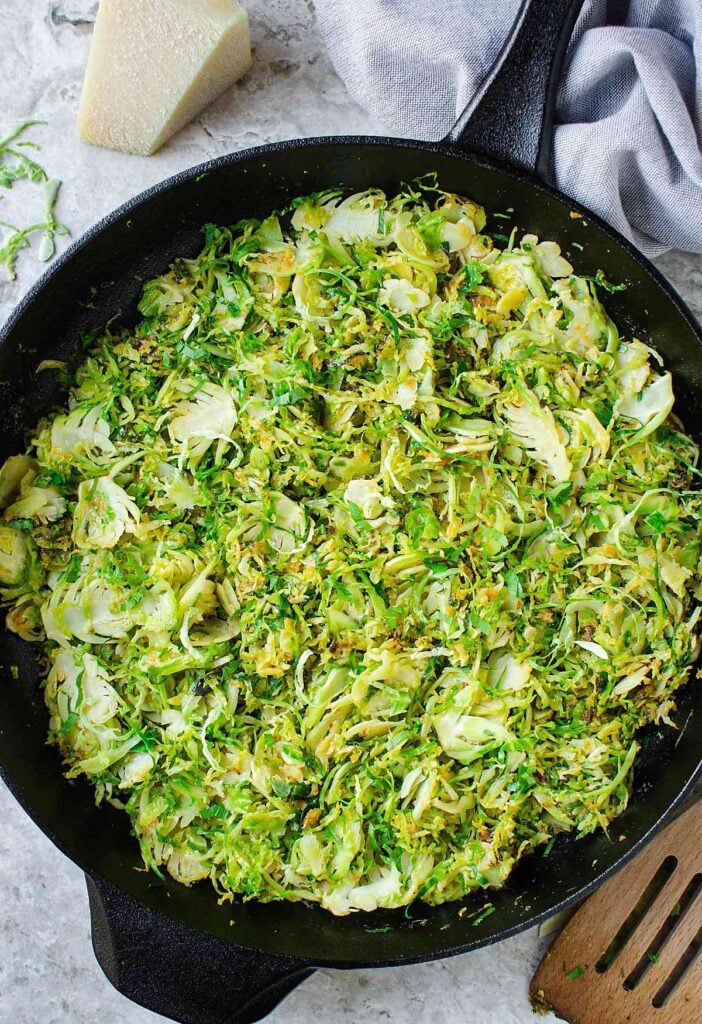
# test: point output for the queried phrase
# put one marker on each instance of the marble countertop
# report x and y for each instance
(47, 971)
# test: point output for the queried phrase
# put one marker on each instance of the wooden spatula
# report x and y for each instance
(632, 953)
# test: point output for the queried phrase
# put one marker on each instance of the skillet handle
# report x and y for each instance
(510, 118)
(188, 976)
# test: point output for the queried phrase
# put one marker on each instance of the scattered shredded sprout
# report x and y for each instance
(360, 561)
(16, 165)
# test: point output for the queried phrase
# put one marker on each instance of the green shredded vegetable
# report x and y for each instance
(358, 562)
(577, 972)
(15, 165)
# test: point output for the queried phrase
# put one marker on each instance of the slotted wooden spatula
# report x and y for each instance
(632, 953)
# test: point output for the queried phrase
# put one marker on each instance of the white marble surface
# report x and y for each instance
(47, 971)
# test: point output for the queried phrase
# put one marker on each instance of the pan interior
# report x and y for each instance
(99, 280)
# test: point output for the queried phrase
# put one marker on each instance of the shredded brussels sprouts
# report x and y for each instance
(361, 559)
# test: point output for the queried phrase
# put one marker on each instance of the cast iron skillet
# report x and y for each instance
(174, 949)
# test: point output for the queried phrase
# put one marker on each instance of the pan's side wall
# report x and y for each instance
(101, 279)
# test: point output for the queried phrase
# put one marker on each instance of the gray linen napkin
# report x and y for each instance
(629, 121)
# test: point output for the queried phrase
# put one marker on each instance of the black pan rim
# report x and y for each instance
(438, 953)
(442, 148)
(570, 901)
(376, 142)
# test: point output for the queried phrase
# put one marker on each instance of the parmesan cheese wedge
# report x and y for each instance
(154, 65)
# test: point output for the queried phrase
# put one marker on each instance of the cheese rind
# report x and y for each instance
(154, 65)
